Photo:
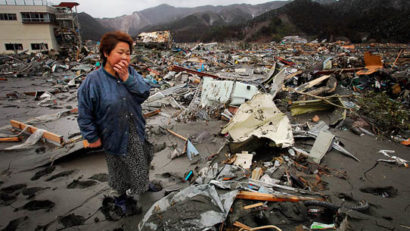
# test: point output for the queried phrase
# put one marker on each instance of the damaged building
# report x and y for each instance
(37, 26)
(156, 39)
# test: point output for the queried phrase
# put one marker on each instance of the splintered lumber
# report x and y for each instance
(340, 70)
(242, 226)
(31, 129)
(312, 83)
(270, 197)
(201, 74)
(152, 113)
(177, 135)
(10, 139)
(253, 206)
(398, 56)
(293, 75)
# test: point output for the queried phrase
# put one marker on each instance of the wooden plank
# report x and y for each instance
(201, 74)
(242, 226)
(293, 75)
(31, 129)
(177, 135)
(269, 197)
(10, 139)
(152, 113)
(312, 83)
(253, 206)
(341, 70)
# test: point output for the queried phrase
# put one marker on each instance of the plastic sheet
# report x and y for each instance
(164, 215)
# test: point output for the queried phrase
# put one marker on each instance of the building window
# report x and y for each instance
(39, 46)
(8, 17)
(14, 46)
(37, 17)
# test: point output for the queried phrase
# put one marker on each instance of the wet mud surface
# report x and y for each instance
(39, 204)
(71, 220)
(81, 184)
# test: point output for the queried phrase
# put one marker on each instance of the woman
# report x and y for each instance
(110, 115)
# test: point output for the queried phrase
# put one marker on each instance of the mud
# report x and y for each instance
(14, 224)
(43, 172)
(159, 147)
(190, 209)
(385, 192)
(286, 214)
(81, 184)
(13, 188)
(71, 220)
(61, 174)
(40, 150)
(39, 204)
(7, 199)
(101, 177)
(31, 192)
(115, 208)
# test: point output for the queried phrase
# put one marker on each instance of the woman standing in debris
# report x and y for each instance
(110, 115)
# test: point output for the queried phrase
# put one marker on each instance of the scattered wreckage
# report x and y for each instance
(270, 164)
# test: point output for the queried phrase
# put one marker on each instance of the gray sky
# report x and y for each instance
(113, 8)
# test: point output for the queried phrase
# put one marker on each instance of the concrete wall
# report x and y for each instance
(17, 32)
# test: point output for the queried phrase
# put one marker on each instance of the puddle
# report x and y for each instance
(14, 224)
(37, 205)
(81, 184)
(61, 174)
(101, 177)
(71, 220)
(386, 192)
(43, 172)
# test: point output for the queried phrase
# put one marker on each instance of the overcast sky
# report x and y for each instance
(113, 8)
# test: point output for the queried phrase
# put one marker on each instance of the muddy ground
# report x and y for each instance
(68, 195)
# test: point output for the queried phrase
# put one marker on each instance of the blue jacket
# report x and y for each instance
(105, 104)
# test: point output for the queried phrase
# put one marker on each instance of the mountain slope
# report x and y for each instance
(128, 23)
(164, 14)
(355, 19)
(91, 29)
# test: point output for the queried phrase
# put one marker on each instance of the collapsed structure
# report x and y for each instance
(159, 39)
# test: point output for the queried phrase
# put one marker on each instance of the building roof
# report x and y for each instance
(67, 4)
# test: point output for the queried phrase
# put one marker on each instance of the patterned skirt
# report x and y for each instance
(132, 170)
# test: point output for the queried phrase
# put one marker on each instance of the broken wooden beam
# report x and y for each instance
(312, 83)
(241, 226)
(253, 206)
(152, 113)
(10, 139)
(293, 75)
(339, 70)
(177, 135)
(31, 129)
(270, 197)
(180, 69)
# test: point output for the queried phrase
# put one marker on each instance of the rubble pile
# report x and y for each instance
(285, 108)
